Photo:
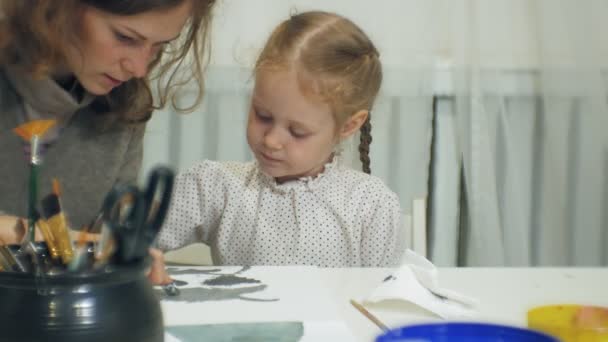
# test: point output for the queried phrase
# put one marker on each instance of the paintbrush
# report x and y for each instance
(49, 238)
(57, 190)
(6, 260)
(81, 255)
(32, 132)
(51, 210)
(104, 246)
(369, 315)
(10, 261)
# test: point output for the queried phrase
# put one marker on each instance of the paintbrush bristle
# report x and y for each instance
(34, 127)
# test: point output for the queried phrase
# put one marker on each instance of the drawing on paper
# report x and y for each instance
(201, 285)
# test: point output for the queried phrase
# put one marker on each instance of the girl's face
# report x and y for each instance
(113, 49)
(290, 135)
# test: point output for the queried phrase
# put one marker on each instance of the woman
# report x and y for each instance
(88, 65)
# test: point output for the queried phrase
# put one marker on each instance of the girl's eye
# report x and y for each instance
(298, 135)
(263, 118)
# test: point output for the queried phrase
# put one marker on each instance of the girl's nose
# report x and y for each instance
(272, 140)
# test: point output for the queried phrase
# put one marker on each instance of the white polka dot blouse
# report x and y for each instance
(339, 218)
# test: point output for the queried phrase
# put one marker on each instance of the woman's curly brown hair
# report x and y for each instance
(34, 35)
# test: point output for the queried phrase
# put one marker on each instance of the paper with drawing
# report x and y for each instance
(248, 294)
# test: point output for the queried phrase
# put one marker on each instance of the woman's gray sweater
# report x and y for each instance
(88, 155)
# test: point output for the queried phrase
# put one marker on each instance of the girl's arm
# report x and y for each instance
(195, 207)
(158, 272)
(383, 240)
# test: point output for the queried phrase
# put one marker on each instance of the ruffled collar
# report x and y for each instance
(309, 183)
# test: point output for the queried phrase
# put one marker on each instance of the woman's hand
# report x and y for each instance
(158, 273)
(12, 229)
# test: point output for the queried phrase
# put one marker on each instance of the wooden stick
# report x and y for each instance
(368, 314)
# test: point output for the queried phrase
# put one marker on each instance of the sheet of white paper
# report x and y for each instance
(427, 274)
(404, 286)
(329, 331)
(416, 281)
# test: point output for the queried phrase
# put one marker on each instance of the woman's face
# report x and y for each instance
(113, 49)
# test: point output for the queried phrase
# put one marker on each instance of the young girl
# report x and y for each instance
(315, 82)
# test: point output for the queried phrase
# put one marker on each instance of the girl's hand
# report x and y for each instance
(12, 229)
(158, 273)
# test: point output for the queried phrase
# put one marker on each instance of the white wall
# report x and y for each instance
(420, 42)
(414, 33)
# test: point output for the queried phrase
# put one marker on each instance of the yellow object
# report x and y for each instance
(570, 322)
(59, 228)
(49, 238)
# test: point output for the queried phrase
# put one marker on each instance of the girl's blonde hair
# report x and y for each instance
(335, 61)
(34, 35)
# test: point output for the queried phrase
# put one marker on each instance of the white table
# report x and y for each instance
(314, 294)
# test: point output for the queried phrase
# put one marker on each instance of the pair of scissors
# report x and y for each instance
(135, 216)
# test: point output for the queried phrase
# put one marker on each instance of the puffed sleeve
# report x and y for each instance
(383, 238)
(196, 207)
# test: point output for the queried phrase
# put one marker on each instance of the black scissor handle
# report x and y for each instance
(124, 216)
(154, 210)
(135, 227)
(155, 216)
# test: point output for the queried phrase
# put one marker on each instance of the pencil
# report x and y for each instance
(368, 314)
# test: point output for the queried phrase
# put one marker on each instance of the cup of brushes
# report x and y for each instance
(61, 290)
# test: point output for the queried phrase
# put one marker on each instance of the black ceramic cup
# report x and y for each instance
(115, 304)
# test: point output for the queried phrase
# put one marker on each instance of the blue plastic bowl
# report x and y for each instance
(474, 332)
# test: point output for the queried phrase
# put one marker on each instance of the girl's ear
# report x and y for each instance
(353, 123)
